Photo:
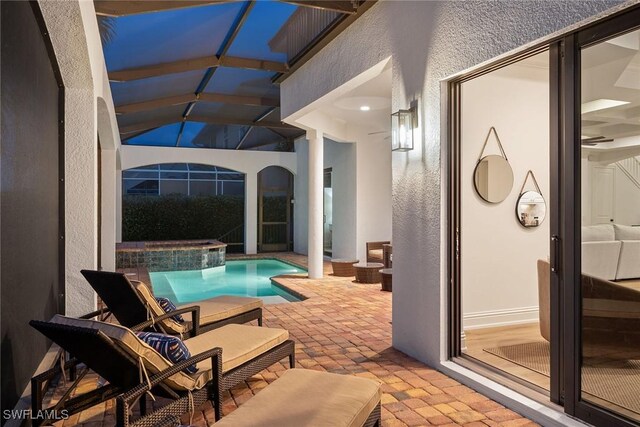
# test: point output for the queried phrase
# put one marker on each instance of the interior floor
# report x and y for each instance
(479, 341)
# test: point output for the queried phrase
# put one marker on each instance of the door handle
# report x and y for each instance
(555, 254)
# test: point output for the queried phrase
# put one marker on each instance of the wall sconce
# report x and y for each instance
(403, 123)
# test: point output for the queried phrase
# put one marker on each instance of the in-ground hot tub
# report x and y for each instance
(175, 255)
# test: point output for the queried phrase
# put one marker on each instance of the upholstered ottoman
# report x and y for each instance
(304, 397)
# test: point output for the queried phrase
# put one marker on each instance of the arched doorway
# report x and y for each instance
(275, 219)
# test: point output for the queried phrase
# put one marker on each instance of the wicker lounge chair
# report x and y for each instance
(116, 354)
(132, 303)
(375, 252)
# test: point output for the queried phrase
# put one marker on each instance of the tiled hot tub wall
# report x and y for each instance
(173, 257)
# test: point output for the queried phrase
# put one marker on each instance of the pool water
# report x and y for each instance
(240, 278)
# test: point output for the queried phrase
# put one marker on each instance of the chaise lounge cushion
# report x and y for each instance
(240, 343)
(223, 307)
(304, 397)
(139, 350)
(170, 325)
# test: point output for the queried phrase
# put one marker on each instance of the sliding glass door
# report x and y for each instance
(550, 298)
(600, 267)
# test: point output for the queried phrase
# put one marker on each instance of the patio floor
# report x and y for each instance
(345, 327)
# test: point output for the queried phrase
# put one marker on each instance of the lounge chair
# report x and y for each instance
(301, 398)
(132, 303)
(117, 355)
(374, 251)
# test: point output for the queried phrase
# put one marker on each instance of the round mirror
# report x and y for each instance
(531, 209)
(493, 178)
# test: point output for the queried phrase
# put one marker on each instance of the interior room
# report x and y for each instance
(504, 209)
(610, 190)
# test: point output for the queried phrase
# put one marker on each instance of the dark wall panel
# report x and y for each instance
(29, 202)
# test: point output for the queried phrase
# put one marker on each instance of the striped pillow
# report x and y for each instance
(168, 306)
(170, 347)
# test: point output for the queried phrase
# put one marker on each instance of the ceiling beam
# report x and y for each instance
(342, 6)
(203, 63)
(203, 97)
(154, 103)
(138, 127)
(253, 64)
(258, 101)
(121, 8)
(240, 122)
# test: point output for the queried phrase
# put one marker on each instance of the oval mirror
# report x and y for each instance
(531, 209)
(493, 178)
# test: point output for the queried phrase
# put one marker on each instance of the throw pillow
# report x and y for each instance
(168, 306)
(170, 347)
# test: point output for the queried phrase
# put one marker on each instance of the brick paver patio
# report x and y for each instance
(345, 327)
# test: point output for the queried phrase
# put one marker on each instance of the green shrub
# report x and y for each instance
(179, 217)
(275, 208)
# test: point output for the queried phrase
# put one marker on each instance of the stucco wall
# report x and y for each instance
(428, 41)
(73, 30)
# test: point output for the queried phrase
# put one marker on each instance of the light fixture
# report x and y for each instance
(365, 108)
(403, 123)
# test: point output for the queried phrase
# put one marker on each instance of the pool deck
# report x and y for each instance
(344, 327)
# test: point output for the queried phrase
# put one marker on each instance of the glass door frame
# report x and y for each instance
(570, 209)
(565, 216)
(454, 88)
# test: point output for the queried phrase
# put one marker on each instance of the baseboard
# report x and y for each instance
(494, 318)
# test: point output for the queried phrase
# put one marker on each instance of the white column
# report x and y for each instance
(109, 207)
(316, 173)
(251, 213)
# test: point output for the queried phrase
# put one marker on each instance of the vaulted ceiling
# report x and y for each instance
(207, 73)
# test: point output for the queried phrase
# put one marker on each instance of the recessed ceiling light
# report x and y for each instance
(601, 104)
(365, 108)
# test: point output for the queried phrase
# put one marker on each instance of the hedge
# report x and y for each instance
(179, 217)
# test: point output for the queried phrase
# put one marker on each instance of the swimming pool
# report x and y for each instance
(240, 278)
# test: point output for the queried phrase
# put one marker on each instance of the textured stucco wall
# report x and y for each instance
(73, 30)
(428, 41)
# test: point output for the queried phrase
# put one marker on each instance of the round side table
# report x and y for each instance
(368, 273)
(386, 279)
(343, 267)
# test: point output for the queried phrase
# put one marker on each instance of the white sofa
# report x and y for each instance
(611, 251)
